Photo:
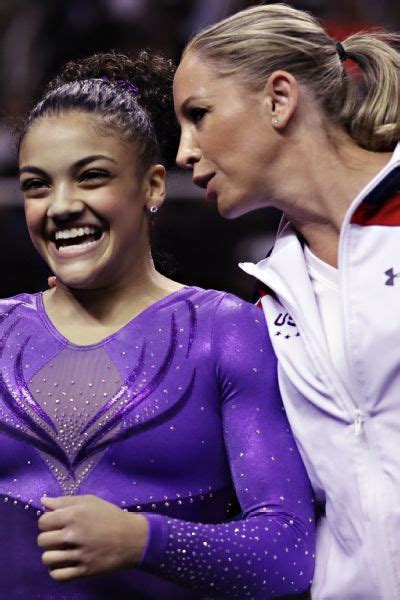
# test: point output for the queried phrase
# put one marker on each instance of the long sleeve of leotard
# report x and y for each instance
(270, 550)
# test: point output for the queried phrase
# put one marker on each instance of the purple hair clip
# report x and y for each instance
(127, 85)
(123, 83)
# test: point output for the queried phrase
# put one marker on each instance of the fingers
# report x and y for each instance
(52, 521)
(67, 573)
(52, 281)
(60, 556)
(85, 535)
(64, 565)
(67, 570)
(63, 514)
(60, 502)
(54, 540)
(60, 559)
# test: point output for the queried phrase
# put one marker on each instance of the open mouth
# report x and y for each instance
(76, 238)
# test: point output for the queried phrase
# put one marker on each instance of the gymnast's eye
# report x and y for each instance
(93, 176)
(33, 184)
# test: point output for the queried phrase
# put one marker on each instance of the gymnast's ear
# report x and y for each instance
(155, 179)
(281, 93)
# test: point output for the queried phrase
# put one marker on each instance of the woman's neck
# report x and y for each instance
(323, 182)
(88, 316)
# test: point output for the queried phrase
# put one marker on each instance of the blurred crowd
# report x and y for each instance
(37, 36)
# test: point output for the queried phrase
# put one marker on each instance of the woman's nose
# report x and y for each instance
(189, 152)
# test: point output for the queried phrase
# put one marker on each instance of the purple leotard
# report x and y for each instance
(168, 416)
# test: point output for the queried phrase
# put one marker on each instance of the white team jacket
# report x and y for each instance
(349, 440)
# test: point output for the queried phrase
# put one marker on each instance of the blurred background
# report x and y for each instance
(36, 36)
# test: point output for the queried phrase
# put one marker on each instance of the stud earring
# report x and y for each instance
(275, 121)
(152, 211)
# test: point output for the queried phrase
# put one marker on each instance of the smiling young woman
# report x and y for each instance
(133, 408)
(86, 213)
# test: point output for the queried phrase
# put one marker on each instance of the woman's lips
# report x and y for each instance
(211, 194)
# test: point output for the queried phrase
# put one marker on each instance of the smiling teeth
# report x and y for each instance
(75, 232)
(75, 247)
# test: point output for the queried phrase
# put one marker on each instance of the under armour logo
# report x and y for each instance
(391, 276)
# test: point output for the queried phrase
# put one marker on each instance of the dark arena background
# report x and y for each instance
(192, 242)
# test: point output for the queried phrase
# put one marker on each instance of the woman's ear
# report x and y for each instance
(281, 94)
(155, 186)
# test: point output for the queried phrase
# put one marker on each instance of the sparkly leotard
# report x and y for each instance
(168, 416)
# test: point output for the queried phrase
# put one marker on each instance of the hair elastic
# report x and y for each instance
(341, 52)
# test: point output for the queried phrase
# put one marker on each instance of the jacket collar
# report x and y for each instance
(285, 262)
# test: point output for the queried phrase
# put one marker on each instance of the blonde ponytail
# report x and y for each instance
(372, 117)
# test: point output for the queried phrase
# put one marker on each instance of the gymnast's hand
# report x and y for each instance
(84, 535)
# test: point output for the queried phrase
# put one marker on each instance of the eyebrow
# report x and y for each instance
(88, 159)
(185, 103)
(35, 170)
(78, 165)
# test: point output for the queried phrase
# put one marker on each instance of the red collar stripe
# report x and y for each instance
(262, 289)
(387, 214)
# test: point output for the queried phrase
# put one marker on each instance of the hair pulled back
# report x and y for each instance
(132, 95)
(253, 43)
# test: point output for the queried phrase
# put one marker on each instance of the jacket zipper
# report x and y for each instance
(357, 418)
(358, 421)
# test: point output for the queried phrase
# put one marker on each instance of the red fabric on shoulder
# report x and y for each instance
(262, 290)
(383, 214)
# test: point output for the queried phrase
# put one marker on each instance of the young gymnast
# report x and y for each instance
(133, 408)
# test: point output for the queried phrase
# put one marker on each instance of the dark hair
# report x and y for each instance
(132, 94)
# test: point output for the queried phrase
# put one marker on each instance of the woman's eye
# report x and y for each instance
(32, 184)
(93, 175)
(197, 114)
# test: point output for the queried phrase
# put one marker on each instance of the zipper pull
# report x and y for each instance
(358, 421)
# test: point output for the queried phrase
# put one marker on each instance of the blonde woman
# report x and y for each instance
(270, 116)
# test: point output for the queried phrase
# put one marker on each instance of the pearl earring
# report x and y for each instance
(275, 121)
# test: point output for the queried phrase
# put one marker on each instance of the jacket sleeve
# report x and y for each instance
(269, 551)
